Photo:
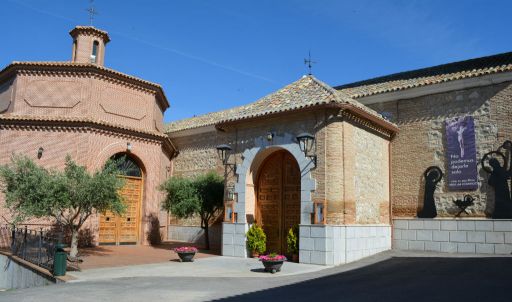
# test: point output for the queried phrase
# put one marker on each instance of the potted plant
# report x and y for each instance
(272, 262)
(292, 240)
(256, 240)
(186, 253)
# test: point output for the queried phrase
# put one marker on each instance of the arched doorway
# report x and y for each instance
(124, 229)
(278, 198)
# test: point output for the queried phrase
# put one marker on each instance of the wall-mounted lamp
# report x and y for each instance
(40, 152)
(319, 213)
(230, 193)
(270, 136)
(128, 147)
(230, 214)
(223, 152)
(307, 145)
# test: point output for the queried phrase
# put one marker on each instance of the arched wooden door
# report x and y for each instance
(124, 229)
(278, 199)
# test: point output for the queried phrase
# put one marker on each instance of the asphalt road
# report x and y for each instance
(396, 279)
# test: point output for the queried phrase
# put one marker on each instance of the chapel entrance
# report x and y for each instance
(124, 229)
(278, 199)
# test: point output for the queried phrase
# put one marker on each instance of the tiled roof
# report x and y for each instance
(305, 93)
(64, 65)
(90, 29)
(428, 76)
(81, 120)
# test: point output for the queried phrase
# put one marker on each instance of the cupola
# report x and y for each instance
(89, 45)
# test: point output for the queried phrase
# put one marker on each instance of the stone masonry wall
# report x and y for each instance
(363, 154)
(454, 235)
(338, 244)
(421, 143)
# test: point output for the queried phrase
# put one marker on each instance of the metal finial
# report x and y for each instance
(92, 11)
(309, 63)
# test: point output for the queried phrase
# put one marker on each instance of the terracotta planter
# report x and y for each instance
(255, 254)
(273, 266)
(187, 256)
(295, 258)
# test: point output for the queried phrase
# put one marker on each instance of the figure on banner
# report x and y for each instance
(499, 180)
(460, 138)
(432, 176)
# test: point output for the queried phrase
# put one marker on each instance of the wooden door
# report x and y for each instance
(278, 204)
(291, 196)
(124, 229)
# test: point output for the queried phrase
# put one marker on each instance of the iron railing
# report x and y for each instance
(35, 246)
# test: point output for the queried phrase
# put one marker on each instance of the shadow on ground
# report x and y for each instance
(403, 279)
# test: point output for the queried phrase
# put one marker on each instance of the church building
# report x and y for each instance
(348, 164)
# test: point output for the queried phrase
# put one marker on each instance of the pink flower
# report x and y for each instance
(272, 258)
(185, 249)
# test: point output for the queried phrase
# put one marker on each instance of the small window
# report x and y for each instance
(75, 46)
(94, 55)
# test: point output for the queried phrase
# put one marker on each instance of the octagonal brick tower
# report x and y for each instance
(92, 113)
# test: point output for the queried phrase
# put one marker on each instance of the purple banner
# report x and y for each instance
(461, 153)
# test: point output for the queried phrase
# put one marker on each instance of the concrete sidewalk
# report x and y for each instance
(212, 267)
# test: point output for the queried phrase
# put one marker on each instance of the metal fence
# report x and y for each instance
(35, 246)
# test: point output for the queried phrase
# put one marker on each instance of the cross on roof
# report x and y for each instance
(308, 62)
(92, 11)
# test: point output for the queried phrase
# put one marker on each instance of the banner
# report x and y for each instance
(461, 153)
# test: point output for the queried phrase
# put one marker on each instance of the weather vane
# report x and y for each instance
(92, 11)
(309, 62)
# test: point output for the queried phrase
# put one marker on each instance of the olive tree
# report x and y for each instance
(201, 196)
(70, 196)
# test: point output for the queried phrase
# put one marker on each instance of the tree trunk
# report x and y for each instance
(74, 243)
(206, 236)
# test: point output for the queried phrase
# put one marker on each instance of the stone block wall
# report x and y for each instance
(195, 235)
(473, 236)
(234, 239)
(338, 244)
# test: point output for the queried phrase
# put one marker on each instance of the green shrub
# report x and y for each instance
(293, 240)
(256, 239)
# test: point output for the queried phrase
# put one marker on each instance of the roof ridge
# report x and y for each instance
(436, 68)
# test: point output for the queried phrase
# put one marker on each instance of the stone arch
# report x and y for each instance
(252, 159)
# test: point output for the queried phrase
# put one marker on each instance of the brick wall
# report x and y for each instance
(58, 95)
(421, 143)
(89, 147)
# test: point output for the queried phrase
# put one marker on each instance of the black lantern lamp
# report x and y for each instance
(40, 152)
(307, 145)
(223, 151)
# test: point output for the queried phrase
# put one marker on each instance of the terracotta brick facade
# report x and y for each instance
(89, 113)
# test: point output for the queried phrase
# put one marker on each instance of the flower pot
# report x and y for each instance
(255, 254)
(186, 256)
(273, 266)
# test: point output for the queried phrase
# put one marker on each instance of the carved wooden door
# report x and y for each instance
(291, 196)
(124, 229)
(278, 205)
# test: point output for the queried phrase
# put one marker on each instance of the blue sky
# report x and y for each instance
(212, 55)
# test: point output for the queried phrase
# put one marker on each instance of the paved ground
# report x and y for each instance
(202, 267)
(389, 276)
(123, 255)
